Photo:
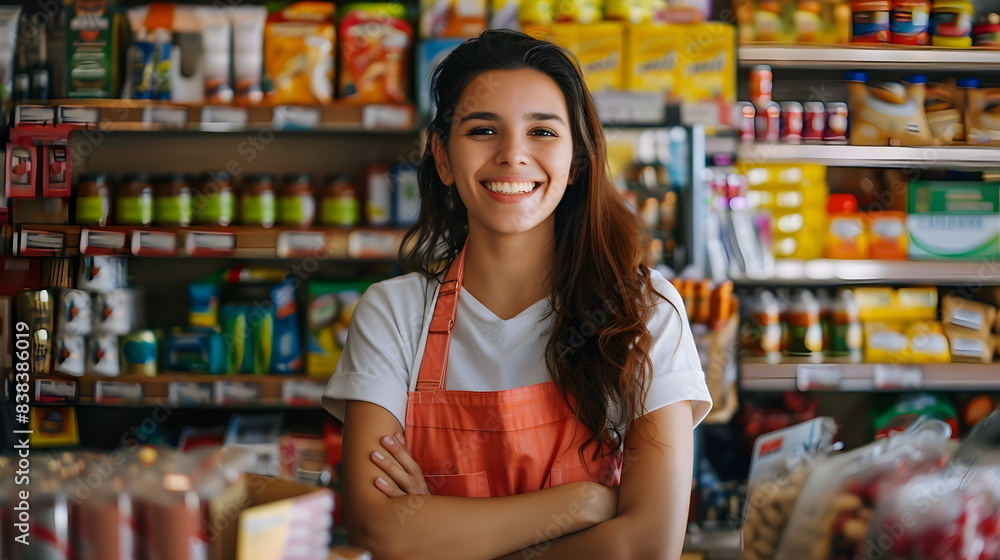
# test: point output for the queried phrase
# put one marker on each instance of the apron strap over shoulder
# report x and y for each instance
(434, 364)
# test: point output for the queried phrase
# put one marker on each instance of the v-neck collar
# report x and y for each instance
(498, 327)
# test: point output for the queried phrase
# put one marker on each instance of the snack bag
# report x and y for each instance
(375, 45)
(298, 54)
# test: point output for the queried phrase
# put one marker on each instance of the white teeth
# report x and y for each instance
(509, 188)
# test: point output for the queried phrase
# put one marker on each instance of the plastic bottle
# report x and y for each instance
(805, 332)
(846, 335)
(762, 333)
(951, 23)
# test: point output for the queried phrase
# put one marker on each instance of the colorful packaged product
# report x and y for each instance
(375, 45)
(139, 353)
(982, 116)
(196, 349)
(598, 46)
(102, 355)
(707, 75)
(239, 337)
(405, 195)
(248, 53)
(9, 18)
(888, 114)
(299, 46)
(910, 22)
(216, 41)
(91, 49)
(871, 21)
(652, 53)
(452, 18)
(331, 305)
(945, 109)
(951, 23)
(503, 14)
(986, 33)
(578, 11)
(69, 354)
(285, 352)
(430, 53)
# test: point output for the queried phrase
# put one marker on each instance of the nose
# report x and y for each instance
(512, 151)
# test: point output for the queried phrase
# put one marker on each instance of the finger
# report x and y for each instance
(391, 468)
(388, 487)
(402, 455)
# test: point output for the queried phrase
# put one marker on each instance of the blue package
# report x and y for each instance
(286, 348)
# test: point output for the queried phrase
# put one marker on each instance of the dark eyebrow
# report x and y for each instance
(543, 117)
(480, 115)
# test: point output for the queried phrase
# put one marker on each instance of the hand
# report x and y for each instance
(403, 474)
(601, 501)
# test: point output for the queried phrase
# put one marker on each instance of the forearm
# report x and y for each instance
(444, 528)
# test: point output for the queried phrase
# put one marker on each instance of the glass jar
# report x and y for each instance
(173, 205)
(134, 203)
(93, 200)
(214, 204)
(340, 204)
(258, 203)
(296, 206)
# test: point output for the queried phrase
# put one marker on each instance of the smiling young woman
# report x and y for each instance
(533, 383)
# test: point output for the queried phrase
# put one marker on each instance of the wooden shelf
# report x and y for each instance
(831, 271)
(842, 155)
(756, 376)
(855, 57)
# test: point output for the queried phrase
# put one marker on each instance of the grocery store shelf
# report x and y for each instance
(831, 271)
(756, 376)
(950, 157)
(849, 57)
(51, 240)
(180, 390)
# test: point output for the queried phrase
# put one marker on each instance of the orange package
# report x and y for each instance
(298, 54)
(376, 42)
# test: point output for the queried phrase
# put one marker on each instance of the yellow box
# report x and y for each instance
(927, 343)
(651, 54)
(706, 82)
(599, 47)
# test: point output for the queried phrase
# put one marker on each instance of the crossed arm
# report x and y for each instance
(396, 518)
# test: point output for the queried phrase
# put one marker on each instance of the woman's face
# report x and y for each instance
(510, 151)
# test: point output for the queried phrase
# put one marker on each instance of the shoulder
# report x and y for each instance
(401, 300)
(665, 300)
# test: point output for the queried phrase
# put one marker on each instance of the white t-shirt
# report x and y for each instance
(385, 344)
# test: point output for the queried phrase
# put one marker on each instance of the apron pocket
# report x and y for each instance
(475, 485)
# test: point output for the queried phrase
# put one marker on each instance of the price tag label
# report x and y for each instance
(154, 244)
(117, 392)
(34, 114)
(897, 376)
(623, 107)
(387, 117)
(236, 392)
(169, 117)
(301, 244)
(818, 377)
(369, 244)
(215, 117)
(55, 390)
(35, 243)
(302, 392)
(94, 242)
(209, 244)
(287, 117)
(79, 115)
(185, 393)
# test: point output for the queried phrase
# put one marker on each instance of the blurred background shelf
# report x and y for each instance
(849, 57)
(757, 376)
(951, 157)
(830, 271)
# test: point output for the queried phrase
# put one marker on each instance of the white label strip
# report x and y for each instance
(897, 376)
(34, 114)
(114, 392)
(286, 117)
(198, 241)
(236, 392)
(186, 393)
(108, 240)
(50, 390)
(45, 241)
(298, 392)
(387, 117)
(169, 116)
(300, 243)
(364, 244)
(79, 115)
(214, 117)
(812, 377)
(154, 243)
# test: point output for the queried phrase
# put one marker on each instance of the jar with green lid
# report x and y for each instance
(214, 203)
(258, 203)
(340, 204)
(173, 204)
(296, 206)
(93, 200)
(134, 203)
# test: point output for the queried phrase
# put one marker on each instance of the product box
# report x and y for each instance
(267, 518)
(968, 345)
(57, 171)
(706, 72)
(452, 18)
(430, 53)
(20, 171)
(651, 55)
(969, 314)
(330, 307)
(599, 47)
(375, 42)
(92, 38)
(954, 220)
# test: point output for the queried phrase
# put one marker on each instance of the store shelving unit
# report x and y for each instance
(868, 377)
(852, 57)
(951, 157)
(820, 272)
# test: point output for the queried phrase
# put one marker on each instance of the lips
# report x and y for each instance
(510, 187)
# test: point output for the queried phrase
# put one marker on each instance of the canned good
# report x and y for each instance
(813, 120)
(761, 84)
(139, 351)
(836, 122)
(769, 122)
(791, 122)
(745, 116)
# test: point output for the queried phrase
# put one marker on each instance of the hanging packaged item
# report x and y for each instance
(375, 45)
(91, 49)
(299, 54)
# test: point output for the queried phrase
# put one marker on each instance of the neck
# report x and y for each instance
(509, 273)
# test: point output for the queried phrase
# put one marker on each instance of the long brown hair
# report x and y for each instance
(598, 348)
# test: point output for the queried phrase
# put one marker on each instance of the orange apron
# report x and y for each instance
(492, 443)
